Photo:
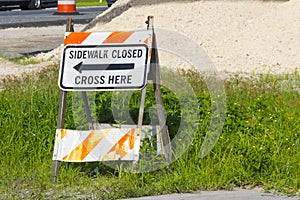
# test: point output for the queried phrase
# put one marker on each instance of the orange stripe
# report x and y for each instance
(131, 139)
(119, 147)
(76, 37)
(66, 8)
(146, 41)
(83, 149)
(63, 133)
(118, 37)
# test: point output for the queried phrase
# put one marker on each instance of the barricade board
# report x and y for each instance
(97, 145)
(105, 61)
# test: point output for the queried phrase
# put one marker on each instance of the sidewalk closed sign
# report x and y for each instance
(105, 61)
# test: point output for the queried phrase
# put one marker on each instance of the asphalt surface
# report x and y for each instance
(46, 17)
(29, 41)
(30, 32)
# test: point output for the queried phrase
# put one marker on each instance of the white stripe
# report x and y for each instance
(67, 34)
(96, 38)
(67, 144)
(66, 2)
(138, 37)
(108, 142)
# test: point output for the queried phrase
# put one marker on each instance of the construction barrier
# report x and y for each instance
(101, 38)
(66, 7)
(97, 145)
(107, 61)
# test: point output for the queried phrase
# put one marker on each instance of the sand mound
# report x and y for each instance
(242, 36)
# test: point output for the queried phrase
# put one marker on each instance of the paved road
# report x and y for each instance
(46, 17)
(33, 31)
(32, 40)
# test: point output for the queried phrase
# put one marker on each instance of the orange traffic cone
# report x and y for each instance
(66, 7)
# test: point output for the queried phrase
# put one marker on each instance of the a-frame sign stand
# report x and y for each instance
(61, 110)
(154, 75)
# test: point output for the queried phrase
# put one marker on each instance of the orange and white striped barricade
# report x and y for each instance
(106, 61)
(97, 145)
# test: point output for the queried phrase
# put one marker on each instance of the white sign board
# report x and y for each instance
(104, 67)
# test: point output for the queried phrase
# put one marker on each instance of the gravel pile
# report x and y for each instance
(238, 36)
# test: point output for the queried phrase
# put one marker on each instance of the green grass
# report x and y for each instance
(259, 146)
(23, 60)
(90, 3)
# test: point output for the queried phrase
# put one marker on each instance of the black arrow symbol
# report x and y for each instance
(91, 67)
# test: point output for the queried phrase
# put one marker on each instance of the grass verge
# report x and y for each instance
(23, 60)
(80, 3)
(260, 143)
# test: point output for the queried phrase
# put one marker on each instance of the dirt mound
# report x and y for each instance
(272, 41)
(238, 36)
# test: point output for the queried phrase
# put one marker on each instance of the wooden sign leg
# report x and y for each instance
(142, 107)
(60, 125)
(61, 110)
(165, 138)
(87, 110)
(155, 75)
